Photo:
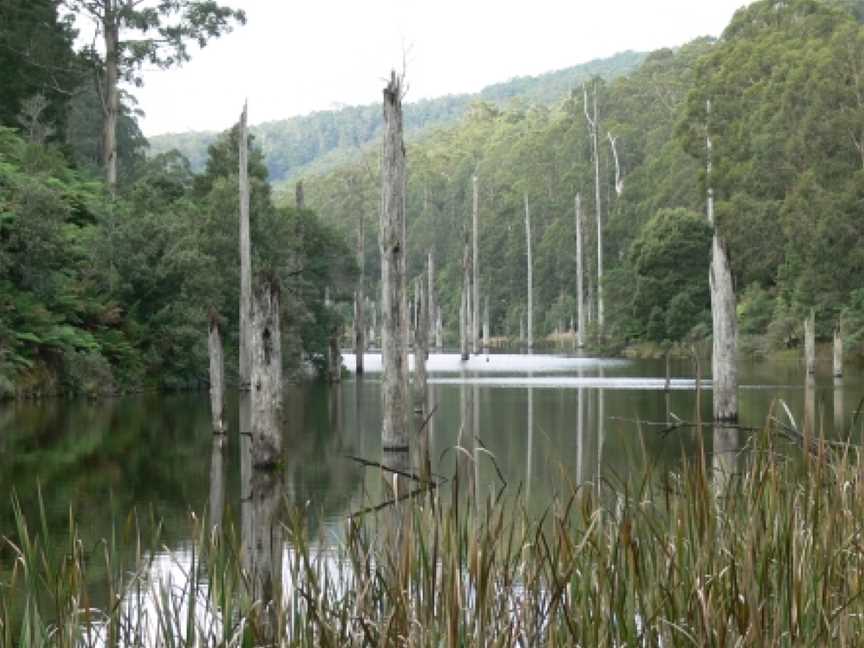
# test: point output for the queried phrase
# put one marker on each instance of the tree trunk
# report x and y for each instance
(580, 287)
(431, 306)
(594, 127)
(266, 375)
(619, 180)
(475, 269)
(359, 332)
(421, 348)
(838, 351)
(486, 323)
(463, 325)
(439, 328)
(217, 481)
(217, 376)
(466, 296)
(723, 312)
(810, 343)
(334, 358)
(392, 241)
(245, 253)
(530, 314)
(110, 95)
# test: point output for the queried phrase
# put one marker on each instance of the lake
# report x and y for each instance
(543, 422)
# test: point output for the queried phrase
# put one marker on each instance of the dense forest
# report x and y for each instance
(785, 82)
(107, 286)
(106, 291)
(323, 140)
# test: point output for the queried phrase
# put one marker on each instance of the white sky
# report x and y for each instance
(296, 57)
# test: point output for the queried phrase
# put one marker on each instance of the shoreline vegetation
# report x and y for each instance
(754, 547)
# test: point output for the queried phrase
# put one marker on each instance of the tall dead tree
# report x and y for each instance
(217, 375)
(266, 375)
(723, 311)
(486, 322)
(392, 243)
(810, 342)
(530, 314)
(421, 348)
(465, 314)
(245, 251)
(360, 293)
(430, 299)
(475, 269)
(580, 287)
(838, 351)
(593, 128)
(619, 178)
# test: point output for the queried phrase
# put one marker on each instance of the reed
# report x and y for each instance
(769, 556)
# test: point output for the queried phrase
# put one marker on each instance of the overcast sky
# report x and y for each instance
(292, 58)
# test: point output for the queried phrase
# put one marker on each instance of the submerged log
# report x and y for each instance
(392, 242)
(217, 375)
(266, 375)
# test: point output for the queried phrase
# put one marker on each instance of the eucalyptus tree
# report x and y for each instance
(136, 33)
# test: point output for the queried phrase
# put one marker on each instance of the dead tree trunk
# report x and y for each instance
(217, 376)
(619, 179)
(475, 269)
(360, 296)
(593, 128)
(838, 351)
(334, 360)
(580, 287)
(810, 343)
(465, 324)
(394, 431)
(421, 348)
(110, 96)
(431, 307)
(530, 314)
(245, 253)
(486, 323)
(723, 315)
(266, 375)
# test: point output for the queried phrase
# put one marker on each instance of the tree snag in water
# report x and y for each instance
(266, 375)
(580, 276)
(392, 243)
(217, 375)
(421, 348)
(245, 252)
(530, 314)
(810, 343)
(475, 269)
(838, 351)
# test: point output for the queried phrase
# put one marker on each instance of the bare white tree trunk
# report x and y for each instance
(810, 342)
(619, 179)
(217, 376)
(217, 481)
(110, 94)
(580, 278)
(431, 308)
(475, 269)
(723, 315)
(594, 128)
(360, 296)
(421, 348)
(486, 323)
(392, 241)
(245, 252)
(465, 309)
(838, 351)
(266, 375)
(530, 314)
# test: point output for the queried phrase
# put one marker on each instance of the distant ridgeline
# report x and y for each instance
(323, 140)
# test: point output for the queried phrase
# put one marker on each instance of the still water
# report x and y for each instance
(548, 421)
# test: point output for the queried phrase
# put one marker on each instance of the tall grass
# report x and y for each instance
(770, 556)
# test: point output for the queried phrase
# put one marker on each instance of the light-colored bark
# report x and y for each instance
(421, 348)
(838, 351)
(466, 325)
(463, 325)
(839, 413)
(810, 343)
(110, 94)
(580, 277)
(486, 322)
(217, 376)
(593, 127)
(392, 242)
(530, 261)
(360, 294)
(619, 178)
(245, 252)
(217, 481)
(432, 307)
(724, 360)
(266, 375)
(475, 268)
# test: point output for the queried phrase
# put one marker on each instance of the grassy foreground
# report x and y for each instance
(770, 556)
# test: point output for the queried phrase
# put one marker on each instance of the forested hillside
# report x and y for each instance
(785, 81)
(320, 141)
